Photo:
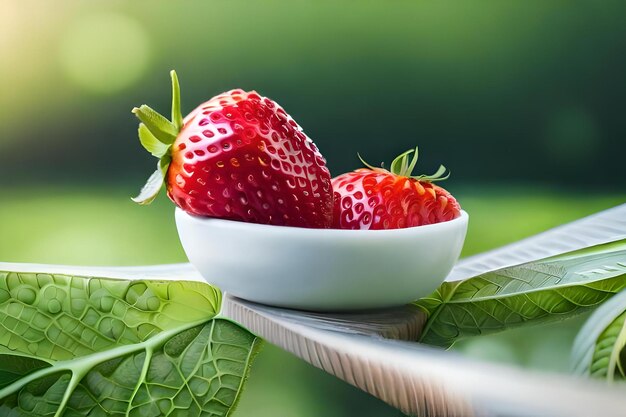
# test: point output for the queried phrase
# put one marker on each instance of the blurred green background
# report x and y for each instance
(524, 102)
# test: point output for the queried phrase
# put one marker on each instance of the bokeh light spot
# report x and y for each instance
(104, 53)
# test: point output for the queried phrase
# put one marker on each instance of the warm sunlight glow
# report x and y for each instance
(104, 67)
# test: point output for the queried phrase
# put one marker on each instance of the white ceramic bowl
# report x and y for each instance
(322, 269)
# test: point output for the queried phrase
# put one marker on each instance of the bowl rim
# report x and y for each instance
(239, 225)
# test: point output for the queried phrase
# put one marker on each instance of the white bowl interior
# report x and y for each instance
(322, 269)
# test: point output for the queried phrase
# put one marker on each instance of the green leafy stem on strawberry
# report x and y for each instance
(401, 166)
(157, 134)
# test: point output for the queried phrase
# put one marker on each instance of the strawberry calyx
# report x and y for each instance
(403, 167)
(157, 134)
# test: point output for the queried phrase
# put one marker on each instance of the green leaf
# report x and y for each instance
(164, 164)
(76, 346)
(162, 129)
(550, 289)
(150, 143)
(599, 349)
(14, 367)
(177, 116)
(400, 163)
(597, 229)
(152, 187)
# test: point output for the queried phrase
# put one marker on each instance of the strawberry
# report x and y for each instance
(238, 156)
(374, 198)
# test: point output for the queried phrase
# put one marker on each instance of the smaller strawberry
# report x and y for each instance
(375, 198)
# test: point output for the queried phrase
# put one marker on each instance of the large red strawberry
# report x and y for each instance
(374, 198)
(238, 156)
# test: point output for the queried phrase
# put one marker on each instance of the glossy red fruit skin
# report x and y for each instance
(369, 199)
(240, 156)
